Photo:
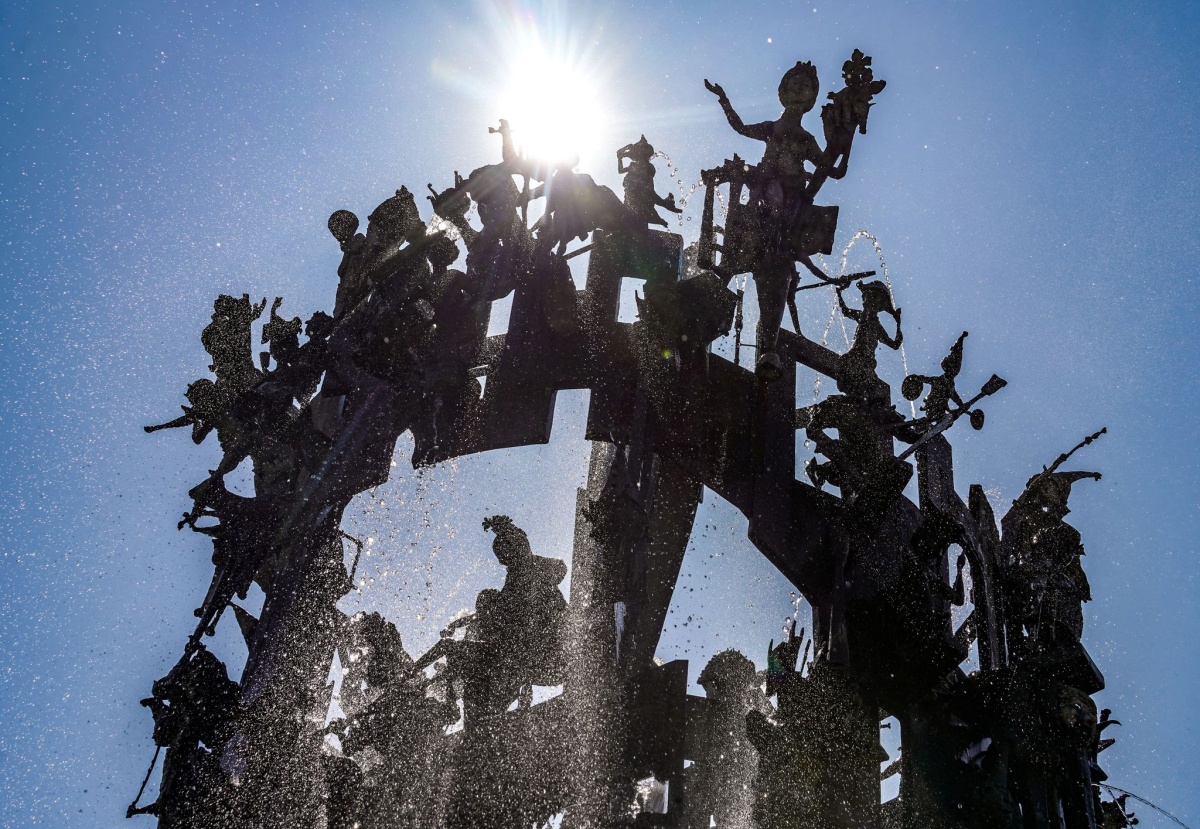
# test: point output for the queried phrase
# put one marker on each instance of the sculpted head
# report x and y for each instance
(799, 87)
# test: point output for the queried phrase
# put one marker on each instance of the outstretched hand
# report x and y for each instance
(714, 88)
(788, 651)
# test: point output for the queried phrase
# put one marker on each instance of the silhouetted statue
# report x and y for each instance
(514, 639)
(508, 152)
(856, 368)
(1115, 814)
(282, 338)
(193, 708)
(1045, 583)
(352, 285)
(228, 341)
(304, 372)
(243, 541)
(209, 410)
(862, 445)
(377, 340)
(452, 344)
(395, 221)
(372, 654)
(780, 225)
(942, 391)
(1048, 583)
(633, 162)
(575, 207)
(392, 726)
(253, 411)
(819, 748)
(498, 253)
(861, 459)
(846, 114)
(1012, 745)
(720, 785)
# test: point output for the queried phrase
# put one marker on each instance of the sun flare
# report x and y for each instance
(553, 107)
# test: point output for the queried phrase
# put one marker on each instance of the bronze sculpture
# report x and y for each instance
(1012, 743)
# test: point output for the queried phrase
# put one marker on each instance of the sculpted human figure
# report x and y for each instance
(862, 413)
(789, 146)
(513, 639)
(193, 708)
(780, 225)
(499, 251)
(856, 368)
(227, 339)
(720, 786)
(343, 225)
(575, 206)
(853, 455)
(450, 346)
(282, 338)
(846, 114)
(387, 309)
(252, 411)
(392, 726)
(633, 162)
(942, 391)
(1047, 574)
(208, 410)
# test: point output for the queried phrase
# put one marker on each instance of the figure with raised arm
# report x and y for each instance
(942, 391)
(780, 225)
(633, 162)
(856, 368)
(498, 252)
(228, 341)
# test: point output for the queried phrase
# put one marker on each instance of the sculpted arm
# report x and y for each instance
(759, 132)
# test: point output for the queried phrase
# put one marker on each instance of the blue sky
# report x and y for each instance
(1030, 173)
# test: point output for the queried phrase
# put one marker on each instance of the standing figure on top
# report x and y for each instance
(500, 251)
(633, 162)
(575, 206)
(780, 225)
(939, 414)
(370, 261)
(352, 287)
(1049, 584)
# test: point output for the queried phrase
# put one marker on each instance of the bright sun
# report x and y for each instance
(553, 108)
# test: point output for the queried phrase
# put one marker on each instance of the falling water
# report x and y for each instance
(682, 197)
(862, 234)
(835, 313)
